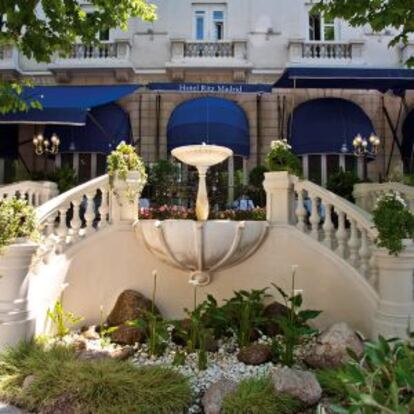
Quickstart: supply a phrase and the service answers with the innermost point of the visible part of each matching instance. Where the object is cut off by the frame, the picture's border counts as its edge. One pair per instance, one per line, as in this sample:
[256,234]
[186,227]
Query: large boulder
[128,335]
[215,394]
[272,312]
[129,306]
[255,354]
[299,384]
[330,348]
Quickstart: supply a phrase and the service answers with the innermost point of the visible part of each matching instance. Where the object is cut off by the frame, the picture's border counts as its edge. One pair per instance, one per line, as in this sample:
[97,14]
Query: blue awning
[323,125]
[347,78]
[211,120]
[66,105]
[106,126]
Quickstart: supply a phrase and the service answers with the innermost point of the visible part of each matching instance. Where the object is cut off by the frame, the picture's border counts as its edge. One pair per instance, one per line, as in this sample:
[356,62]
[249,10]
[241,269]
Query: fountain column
[230,192]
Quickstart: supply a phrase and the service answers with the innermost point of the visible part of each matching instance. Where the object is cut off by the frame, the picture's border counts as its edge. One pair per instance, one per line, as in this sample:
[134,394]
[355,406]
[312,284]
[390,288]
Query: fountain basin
[202,247]
[202,155]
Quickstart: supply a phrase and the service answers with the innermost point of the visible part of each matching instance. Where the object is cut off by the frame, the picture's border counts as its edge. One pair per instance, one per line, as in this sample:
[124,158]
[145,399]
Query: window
[321,29]
[104,35]
[209,22]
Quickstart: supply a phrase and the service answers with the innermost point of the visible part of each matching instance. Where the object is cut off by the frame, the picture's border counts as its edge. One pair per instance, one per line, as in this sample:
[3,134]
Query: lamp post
[43,146]
[364,148]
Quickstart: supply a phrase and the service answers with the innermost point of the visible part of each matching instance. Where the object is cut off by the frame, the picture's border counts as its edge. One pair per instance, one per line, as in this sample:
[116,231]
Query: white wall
[98,269]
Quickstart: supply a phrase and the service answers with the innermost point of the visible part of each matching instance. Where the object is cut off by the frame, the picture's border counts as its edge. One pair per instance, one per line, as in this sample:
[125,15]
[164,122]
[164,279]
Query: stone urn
[16,323]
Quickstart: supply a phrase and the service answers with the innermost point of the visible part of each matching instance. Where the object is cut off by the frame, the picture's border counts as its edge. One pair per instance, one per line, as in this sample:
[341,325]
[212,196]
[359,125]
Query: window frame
[206,12]
[323,25]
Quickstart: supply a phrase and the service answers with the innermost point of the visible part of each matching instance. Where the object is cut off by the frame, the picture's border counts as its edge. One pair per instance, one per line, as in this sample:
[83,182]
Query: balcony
[8,61]
[227,54]
[112,55]
[325,53]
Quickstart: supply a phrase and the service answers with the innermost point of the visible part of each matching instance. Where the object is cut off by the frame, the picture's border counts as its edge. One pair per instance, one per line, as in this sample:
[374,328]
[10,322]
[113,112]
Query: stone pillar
[280,197]
[16,322]
[125,198]
[49,191]
[396,292]
[230,194]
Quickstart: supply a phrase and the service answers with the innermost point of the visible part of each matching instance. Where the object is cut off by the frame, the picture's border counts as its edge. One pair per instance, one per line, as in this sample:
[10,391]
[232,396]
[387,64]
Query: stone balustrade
[301,51]
[35,192]
[366,194]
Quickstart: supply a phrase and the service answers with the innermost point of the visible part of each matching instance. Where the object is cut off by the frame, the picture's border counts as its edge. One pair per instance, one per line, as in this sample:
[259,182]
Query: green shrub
[62,320]
[394,222]
[17,220]
[383,382]
[342,183]
[257,395]
[65,177]
[331,383]
[101,387]
[281,158]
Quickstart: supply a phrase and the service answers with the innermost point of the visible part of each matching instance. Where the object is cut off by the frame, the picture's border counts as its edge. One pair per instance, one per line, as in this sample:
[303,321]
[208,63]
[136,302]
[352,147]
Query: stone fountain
[204,246]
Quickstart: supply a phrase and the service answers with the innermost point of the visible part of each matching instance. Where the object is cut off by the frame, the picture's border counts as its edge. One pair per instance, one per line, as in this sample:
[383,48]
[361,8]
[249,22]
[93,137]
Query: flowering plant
[394,222]
[254,214]
[17,220]
[281,158]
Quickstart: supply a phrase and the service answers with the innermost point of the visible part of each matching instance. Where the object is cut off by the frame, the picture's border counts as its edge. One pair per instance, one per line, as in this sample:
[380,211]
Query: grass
[331,383]
[101,387]
[257,395]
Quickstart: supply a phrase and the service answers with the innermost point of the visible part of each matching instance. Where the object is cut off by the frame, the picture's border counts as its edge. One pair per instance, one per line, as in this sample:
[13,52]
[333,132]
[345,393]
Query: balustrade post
[280,197]
[396,292]
[125,198]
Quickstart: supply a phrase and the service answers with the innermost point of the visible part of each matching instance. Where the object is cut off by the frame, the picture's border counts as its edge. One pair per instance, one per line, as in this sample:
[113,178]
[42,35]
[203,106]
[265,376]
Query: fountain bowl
[202,155]
[202,248]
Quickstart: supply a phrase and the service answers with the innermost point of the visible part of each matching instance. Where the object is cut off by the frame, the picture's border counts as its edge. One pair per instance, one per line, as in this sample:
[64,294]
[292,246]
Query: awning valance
[66,105]
[347,78]
[106,126]
[324,125]
[211,120]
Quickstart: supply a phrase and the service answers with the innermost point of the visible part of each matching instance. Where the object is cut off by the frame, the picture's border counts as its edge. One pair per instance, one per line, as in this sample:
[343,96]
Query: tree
[379,14]
[42,28]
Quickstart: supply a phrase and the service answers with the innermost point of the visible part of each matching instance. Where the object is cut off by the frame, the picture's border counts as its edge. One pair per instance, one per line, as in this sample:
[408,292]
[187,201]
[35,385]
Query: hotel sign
[230,88]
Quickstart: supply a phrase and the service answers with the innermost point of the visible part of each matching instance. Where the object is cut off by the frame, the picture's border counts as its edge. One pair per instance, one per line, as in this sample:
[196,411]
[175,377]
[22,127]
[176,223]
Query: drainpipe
[258,127]
[157,126]
[139,143]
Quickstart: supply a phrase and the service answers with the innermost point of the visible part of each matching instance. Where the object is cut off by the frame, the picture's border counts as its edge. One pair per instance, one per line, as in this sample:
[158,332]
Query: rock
[128,307]
[79,345]
[273,311]
[93,355]
[212,344]
[181,329]
[90,332]
[128,335]
[215,394]
[65,404]
[330,348]
[299,384]
[122,354]
[255,354]
[28,381]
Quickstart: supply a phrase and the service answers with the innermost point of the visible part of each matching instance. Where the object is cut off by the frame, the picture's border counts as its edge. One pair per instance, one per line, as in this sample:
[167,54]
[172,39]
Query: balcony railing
[301,51]
[209,50]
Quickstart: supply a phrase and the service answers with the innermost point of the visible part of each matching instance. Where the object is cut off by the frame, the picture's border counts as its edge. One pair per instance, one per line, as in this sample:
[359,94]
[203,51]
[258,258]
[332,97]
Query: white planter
[16,323]
[202,247]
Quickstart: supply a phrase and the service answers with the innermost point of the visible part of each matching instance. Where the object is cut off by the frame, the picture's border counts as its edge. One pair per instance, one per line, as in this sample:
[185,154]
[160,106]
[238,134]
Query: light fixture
[366,147]
[44,146]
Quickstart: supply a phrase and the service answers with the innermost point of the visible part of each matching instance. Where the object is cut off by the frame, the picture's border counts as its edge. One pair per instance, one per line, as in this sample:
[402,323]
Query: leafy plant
[255,189]
[382,382]
[394,222]
[65,177]
[294,325]
[162,180]
[105,331]
[105,386]
[281,158]
[257,395]
[245,314]
[123,160]
[342,183]
[254,214]
[17,220]
[62,319]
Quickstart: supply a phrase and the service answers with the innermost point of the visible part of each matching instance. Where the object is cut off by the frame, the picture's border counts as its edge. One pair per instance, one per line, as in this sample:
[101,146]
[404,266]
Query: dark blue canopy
[324,125]
[408,139]
[9,139]
[106,126]
[66,105]
[211,120]
[347,78]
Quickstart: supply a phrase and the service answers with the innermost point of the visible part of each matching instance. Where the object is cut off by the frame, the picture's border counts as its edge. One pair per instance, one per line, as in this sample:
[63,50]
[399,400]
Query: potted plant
[127,178]
[18,237]
[281,158]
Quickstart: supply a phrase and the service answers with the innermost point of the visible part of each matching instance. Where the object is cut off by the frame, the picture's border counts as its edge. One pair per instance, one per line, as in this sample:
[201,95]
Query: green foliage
[17,220]
[12,99]
[62,319]
[162,180]
[65,177]
[255,190]
[342,183]
[331,383]
[382,382]
[101,387]
[257,395]
[379,14]
[245,314]
[394,222]
[254,214]
[294,326]
[281,158]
